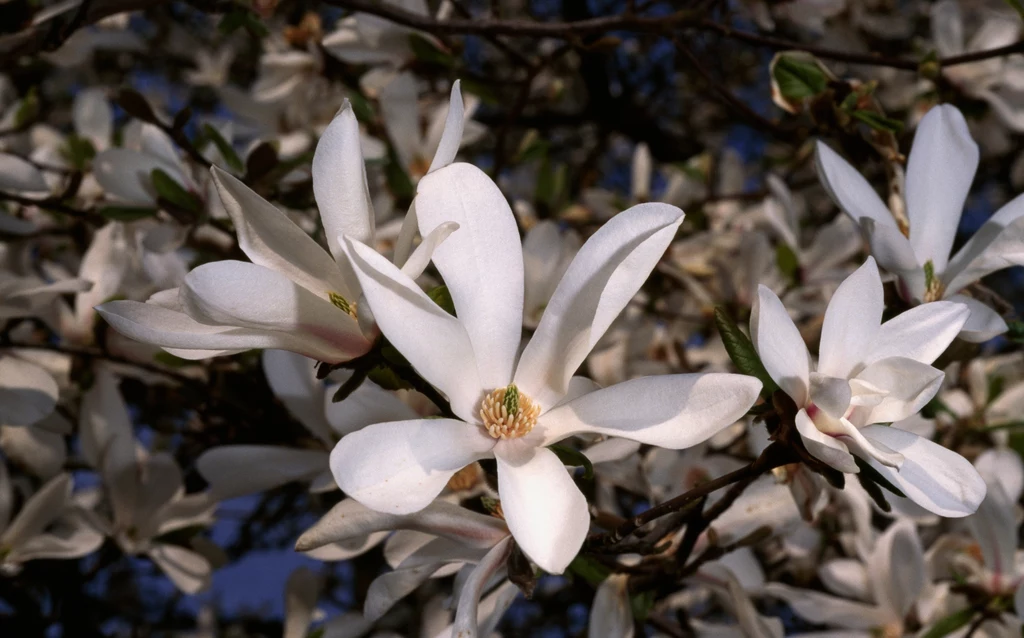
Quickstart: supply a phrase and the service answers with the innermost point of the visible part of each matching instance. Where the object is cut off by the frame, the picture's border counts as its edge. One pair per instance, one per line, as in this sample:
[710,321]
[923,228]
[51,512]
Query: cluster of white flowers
[498,384]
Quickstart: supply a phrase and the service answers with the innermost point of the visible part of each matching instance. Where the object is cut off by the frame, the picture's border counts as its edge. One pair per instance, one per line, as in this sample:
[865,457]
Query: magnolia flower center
[933,288]
[508,414]
[343,304]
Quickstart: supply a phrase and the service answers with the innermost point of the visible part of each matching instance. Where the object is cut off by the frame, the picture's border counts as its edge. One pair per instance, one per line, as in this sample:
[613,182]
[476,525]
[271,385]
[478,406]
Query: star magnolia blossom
[940,169]
[294,295]
[512,410]
[870,373]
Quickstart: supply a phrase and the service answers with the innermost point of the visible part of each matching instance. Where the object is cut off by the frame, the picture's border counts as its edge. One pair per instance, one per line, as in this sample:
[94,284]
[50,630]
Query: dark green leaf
[798,79]
[1017,6]
[78,151]
[950,623]
[878,121]
[28,109]
[240,17]
[867,472]
[225,149]
[589,570]
[641,604]
[126,213]
[175,193]
[169,360]
[398,180]
[787,261]
[742,352]
[360,106]
[135,105]
[575,458]
[386,378]
[442,297]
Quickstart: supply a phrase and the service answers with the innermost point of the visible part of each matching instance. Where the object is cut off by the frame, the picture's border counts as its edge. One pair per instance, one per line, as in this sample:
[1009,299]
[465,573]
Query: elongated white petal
[894,253]
[417,262]
[611,615]
[1003,466]
[189,571]
[937,479]
[27,392]
[671,411]
[910,385]
[159,326]
[68,541]
[434,342]
[994,526]
[481,263]
[779,344]
[921,333]
[940,169]
[848,188]
[237,293]
[229,468]
[273,241]
[41,509]
[368,404]
[605,274]
[451,136]
[473,588]
[388,588]
[350,519]
[339,183]
[19,176]
[399,106]
[400,467]
[105,263]
[983,322]
[828,610]
[41,452]
[852,320]
[847,577]
[127,175]
[823,447]
[947,27]
[292,377]
[92,117]
[998,244]
[831,394]
[545,511]
[300,594]
[897,569]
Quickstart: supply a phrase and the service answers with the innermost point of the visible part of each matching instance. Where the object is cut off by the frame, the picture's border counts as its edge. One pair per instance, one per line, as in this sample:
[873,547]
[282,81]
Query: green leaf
[175,193]
[950,623]
[873,475]
[360,106]
[317,633]
[427,51]
[1016,331]
[169,360]
[398,180]
[386,378]
[239,17]
[641,604]
[225,149]
[1017,6]
[798,79]
[28,109]
[534,148]
[78,151]
[126,213]
[589,570]
[878,121]
[442,297]
[742,352]
[575,458]
[787,261]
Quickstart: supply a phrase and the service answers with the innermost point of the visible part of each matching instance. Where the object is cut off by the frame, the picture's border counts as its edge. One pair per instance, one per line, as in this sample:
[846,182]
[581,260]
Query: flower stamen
[507,413]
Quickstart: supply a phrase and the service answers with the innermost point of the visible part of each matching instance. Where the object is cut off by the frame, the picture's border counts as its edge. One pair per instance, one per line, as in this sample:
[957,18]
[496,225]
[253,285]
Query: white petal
[994,526]
[127,175]
[159,326]
[19,176]
[300,594]
[387,589]
[779,344]
[910,385]
[947,27]
[828,610]
[611,615]
[831,394]
[998,244]
[292,377]
[897,569]
[400,467]
[339,183]
[406,316]
[237,293]
[368,404]
[1002,466]
[848,188]
[103,417]
[894,253]
[481,263]
[921,333]
[270,239]
[642,169]
[400,109]
[940,169]
[39,451]
[545,511]
[937,479]
[671,411]
[350,519]
[38,511]
[105,263]
[606,273]
[983,322]
[451,137]
[229,469]
[65,542]
[27,392]
[92,116]
[417,262]
[189,571]
[473,588]
[823,447]
[852,320]
[846,577]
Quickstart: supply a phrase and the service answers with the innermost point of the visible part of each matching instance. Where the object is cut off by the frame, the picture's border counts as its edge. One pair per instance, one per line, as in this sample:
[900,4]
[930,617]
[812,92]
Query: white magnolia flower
[885,586]
[28,393]
[512,410]
[46,526]
[125,172]
[940,169]
[294,295]
[362,38]
[870,373]
[547,252]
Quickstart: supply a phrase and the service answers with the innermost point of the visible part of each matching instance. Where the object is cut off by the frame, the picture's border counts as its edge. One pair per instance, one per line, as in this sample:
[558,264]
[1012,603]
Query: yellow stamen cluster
[343,304]
[465,478]
[508,414]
